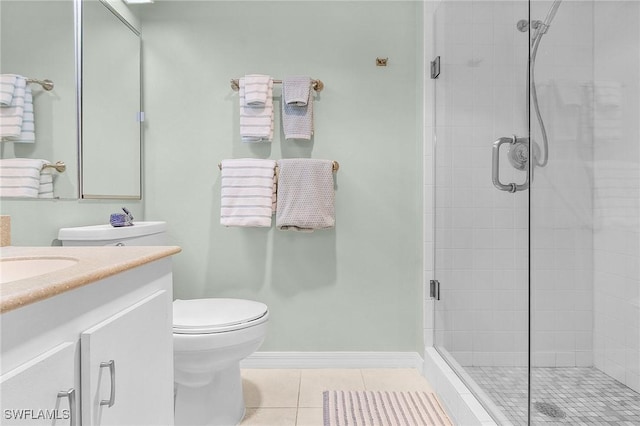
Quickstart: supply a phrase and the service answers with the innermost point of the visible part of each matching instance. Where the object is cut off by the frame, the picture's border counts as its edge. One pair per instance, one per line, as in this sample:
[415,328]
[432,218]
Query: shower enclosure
[537,206]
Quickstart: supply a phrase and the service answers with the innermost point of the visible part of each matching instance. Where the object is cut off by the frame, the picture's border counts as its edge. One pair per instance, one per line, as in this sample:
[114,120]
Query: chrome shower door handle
[495,167]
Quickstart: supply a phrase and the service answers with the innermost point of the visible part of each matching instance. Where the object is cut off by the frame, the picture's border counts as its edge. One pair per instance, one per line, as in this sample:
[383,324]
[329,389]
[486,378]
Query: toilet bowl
[210,336]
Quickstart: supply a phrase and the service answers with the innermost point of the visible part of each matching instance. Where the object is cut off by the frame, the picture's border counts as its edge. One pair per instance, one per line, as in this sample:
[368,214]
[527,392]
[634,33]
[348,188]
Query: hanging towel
[256,89]
[20,177]
[297,108]
[11,116]
[28,130]
[7,86]
[247,192]
[46,183]
[256,122]
[296,90]
[306,198]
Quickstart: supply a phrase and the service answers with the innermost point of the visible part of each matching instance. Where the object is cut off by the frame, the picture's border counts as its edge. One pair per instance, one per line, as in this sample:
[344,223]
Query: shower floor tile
[559,395]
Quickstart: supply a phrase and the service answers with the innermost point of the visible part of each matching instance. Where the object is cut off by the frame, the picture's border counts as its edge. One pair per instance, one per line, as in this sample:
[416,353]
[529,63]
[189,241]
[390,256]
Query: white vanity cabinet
[109,341]
[42,390]
[121,359]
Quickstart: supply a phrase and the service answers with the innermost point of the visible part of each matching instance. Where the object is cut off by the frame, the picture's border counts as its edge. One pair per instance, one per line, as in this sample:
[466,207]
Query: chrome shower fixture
[538,29]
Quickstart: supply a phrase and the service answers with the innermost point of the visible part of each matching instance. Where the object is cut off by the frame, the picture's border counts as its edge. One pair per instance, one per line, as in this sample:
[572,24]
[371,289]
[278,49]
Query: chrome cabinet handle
[71,394]
[495,167]
[112,372]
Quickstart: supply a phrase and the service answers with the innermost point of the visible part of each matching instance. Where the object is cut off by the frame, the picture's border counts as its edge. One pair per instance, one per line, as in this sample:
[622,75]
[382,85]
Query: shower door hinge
[434,289]
[435,67]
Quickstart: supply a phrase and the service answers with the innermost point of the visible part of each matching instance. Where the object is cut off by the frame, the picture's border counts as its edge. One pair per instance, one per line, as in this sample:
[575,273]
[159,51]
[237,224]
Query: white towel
[306,197]
[247,192]
[7,86]
[297,108]
[20,177]
[46,183]
[256,122]
[11,116]
[28,130]
[256,89]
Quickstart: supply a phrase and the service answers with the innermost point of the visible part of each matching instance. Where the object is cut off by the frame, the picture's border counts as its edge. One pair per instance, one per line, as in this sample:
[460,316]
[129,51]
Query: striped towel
[46,184]
[247,192]
[256,122]
[306,198]
[11,116]
[20,177]
[256,89]
[7,86]
[297,108]
[28,130]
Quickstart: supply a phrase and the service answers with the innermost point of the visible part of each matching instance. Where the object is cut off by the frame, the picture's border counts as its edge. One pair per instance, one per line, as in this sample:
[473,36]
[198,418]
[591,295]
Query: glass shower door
[482,201]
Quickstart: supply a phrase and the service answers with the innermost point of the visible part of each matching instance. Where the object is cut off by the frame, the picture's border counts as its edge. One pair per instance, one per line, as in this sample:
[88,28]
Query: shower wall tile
[616,192]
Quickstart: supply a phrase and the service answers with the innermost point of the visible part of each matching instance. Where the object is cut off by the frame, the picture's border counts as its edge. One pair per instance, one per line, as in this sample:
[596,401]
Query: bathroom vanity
[90,343]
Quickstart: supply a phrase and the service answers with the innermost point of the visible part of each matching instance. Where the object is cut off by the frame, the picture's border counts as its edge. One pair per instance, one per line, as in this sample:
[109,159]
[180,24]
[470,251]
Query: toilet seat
[208,316]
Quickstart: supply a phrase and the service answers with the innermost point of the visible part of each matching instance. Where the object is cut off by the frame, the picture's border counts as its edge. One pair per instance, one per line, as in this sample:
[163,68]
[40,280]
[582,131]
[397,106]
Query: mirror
[37,42]
[111,103]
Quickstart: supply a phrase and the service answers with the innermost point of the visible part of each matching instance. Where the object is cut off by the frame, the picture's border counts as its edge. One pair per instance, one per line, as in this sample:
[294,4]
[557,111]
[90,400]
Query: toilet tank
[139,234]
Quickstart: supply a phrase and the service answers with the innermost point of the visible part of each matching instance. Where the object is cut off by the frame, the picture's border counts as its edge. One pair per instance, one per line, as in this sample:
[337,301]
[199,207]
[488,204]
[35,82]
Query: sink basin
[19,268]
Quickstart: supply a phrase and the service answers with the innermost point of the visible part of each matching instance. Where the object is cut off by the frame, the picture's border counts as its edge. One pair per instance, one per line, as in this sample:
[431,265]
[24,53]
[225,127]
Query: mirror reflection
[111,127]
[36,125]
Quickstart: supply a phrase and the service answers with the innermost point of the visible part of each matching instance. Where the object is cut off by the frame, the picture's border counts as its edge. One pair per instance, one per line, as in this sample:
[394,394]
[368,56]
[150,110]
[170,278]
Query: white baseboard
[333,360]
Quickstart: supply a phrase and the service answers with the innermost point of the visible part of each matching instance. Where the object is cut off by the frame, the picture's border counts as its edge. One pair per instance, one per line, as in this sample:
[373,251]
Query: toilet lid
[214,315]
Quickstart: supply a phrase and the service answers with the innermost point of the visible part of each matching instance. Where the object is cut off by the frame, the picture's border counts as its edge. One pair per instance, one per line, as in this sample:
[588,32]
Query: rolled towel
[256,89]
[11,116]
[306,197]
[297,108]
[20,177]
[256,122]
[247,192]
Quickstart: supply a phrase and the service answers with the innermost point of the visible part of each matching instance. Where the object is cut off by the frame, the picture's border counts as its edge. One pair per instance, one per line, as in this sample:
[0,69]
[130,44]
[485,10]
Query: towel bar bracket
[59,166]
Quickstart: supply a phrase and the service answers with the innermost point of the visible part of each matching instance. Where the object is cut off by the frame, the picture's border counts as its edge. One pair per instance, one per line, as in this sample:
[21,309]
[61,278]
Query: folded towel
[11,116]
[256,89]
[20,177]
[7,86]
[297,108]
[296,90]
[256,122]
[306,198]
[247,192]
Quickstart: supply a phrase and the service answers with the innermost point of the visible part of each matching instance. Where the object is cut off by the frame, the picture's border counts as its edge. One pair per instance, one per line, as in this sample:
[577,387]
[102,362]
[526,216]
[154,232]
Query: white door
[41,391]
[127,366]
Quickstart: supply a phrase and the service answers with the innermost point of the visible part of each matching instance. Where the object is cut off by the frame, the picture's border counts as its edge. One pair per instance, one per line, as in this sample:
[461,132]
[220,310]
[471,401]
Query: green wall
[357,287]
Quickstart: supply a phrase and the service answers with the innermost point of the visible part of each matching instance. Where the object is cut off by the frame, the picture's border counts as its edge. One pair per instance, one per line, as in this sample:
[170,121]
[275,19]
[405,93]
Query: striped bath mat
[382,408]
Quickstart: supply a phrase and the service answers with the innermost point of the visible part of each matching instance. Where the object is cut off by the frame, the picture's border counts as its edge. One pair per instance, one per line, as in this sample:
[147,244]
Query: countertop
[94,263]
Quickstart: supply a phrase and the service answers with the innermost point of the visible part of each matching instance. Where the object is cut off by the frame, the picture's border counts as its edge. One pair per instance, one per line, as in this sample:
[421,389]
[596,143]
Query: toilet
[210,336]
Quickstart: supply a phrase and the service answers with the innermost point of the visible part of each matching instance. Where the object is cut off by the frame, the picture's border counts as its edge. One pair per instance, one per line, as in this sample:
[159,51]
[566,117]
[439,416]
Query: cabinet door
[41,391]
[127,366]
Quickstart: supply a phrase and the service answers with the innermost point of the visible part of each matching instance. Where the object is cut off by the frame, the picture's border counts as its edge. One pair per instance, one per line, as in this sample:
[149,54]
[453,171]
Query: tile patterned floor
[576,396]
[285,397]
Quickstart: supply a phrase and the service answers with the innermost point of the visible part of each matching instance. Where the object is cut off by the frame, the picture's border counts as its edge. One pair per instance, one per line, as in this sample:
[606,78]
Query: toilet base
[218,403]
